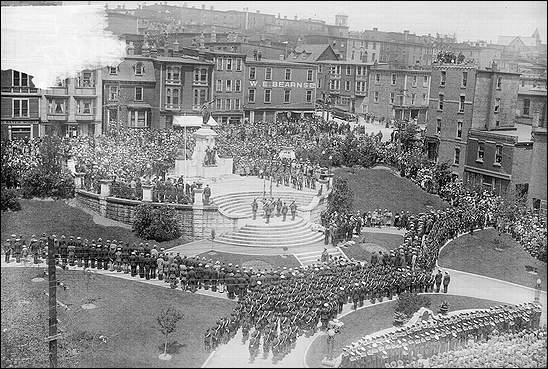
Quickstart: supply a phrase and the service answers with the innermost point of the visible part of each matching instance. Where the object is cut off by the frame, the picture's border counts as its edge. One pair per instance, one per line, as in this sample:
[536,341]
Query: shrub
[121,190]
[9,200]
[39,182]
[409,303]
[156,222]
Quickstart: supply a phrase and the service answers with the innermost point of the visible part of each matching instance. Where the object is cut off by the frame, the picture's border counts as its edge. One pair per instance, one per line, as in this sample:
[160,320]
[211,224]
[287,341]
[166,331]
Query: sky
[469,20]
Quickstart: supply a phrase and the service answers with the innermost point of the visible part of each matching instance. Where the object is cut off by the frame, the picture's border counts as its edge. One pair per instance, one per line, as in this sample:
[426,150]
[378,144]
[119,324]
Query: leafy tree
[408,303]
[167,323]
[341,197]
[156,222]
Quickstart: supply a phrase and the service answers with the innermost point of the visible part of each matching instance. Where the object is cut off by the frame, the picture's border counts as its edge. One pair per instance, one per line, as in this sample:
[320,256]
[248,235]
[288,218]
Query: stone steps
[313,257]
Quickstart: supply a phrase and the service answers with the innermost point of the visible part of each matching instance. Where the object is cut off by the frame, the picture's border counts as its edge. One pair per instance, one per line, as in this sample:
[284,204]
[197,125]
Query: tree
[167,323]
[341,197]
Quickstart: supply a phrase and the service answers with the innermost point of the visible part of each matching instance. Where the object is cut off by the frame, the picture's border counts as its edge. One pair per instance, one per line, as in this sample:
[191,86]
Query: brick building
[129,93]
[538,181]
[400,94]
[463,97]
[531,100]
[20,115]
[345,84]
[228,91]
[278,87]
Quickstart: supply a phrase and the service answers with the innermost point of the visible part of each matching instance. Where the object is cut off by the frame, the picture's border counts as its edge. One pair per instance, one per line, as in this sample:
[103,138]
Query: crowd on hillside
[522,349]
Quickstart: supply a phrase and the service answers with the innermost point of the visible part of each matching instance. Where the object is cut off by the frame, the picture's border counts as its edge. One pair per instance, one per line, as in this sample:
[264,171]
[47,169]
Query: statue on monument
[207,159]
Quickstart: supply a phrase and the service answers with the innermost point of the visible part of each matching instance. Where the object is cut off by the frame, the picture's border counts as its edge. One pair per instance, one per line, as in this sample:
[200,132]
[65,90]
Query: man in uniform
[446,280]
[293,209]
[86,251]
[278,207]
[133,263]
[63,250]
[8,248]
[284,211]
[438,278]
[93,254]
[79,251]
[254,207]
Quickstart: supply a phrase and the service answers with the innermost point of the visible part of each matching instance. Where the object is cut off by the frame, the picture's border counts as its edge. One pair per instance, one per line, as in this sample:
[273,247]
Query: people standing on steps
[446,280]
[293,208]
[284,211]
[438,279]
[254,207]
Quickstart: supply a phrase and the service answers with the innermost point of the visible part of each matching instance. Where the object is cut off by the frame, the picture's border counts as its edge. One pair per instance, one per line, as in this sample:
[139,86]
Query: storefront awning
[188,120]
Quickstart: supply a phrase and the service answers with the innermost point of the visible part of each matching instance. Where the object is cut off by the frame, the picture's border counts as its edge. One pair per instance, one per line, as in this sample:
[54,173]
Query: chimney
[281,56]
[258,11]
[176,46]
[211,7]
[153,52]
[130,49]
[296,17]
[203,6]
[375,29]
[259,55]
[146,49]
[405,35]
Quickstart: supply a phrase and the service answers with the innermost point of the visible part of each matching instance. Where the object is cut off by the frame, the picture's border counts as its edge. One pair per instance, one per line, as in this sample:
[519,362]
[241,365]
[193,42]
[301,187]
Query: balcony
[85,117]
[200,83]
[56,91]
[57,116]
[173,81]
[361,93]
[85,91]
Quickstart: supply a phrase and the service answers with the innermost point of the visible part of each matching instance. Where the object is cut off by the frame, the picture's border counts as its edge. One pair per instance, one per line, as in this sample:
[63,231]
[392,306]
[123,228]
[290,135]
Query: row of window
[464,81]
[441,100]
[481,154]
[412,96]
[335,84]
[267,99]
[20,107]
[363,56]
[228,104]
[336,69]
[229,63]
[365,44]
[459,128]
[394,78]
[229,85]
[287,74]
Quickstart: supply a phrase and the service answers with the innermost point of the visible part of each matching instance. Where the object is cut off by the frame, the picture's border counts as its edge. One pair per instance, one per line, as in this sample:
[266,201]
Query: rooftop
[277,61]
[522,132]
[534,91]
[182,60]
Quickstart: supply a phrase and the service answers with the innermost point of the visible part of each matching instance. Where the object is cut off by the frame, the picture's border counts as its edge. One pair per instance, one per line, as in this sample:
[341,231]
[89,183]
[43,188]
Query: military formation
[439,334]
[272,207]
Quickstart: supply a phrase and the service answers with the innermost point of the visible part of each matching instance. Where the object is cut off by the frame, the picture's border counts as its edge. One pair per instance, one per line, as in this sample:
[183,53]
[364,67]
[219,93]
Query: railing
[57,116]
[56,91]
[20,90]
[87,117]
[85,91]
[172,106]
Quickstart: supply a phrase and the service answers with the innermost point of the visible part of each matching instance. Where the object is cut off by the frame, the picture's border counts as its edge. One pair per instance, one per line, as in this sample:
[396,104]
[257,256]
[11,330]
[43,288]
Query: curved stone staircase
[238,205]
[256,233]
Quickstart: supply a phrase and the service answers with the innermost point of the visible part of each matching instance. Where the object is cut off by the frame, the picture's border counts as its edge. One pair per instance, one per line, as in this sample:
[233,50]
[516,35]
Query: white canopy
[188,120]
[212,122]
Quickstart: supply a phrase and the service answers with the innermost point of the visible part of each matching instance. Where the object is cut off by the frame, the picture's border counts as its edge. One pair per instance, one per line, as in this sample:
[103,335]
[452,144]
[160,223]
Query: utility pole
[52,282]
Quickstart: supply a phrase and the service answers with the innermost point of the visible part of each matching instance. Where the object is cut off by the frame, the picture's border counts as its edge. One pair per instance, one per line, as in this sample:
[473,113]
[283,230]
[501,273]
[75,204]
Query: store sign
[19,122]
[284,84]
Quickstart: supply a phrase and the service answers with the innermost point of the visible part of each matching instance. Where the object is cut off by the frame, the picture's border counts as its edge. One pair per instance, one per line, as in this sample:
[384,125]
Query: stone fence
[197,221]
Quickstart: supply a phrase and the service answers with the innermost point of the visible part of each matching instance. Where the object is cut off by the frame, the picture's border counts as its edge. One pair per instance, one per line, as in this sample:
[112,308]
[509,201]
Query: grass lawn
[125,314]
[255,261]
[378,188]
[477,253]
[379,317]
[56,217]
[369,242]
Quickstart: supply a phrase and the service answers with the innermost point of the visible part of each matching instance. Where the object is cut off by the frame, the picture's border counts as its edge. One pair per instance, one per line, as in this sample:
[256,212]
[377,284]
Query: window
[268,74]
[459,129]
[498,155]
[138,94]
[413,99]
[251,97]
[393,79]
[347,85]
[334,84]
[319,83]
[113,70]
[425,81]
[287,74]
[138,68]
[497,123]
[219,63]
[438,126]
[85,106]
[200,96]
[376,96]
[267,96]
[138,118]
[172,74]
[348,70]
[373,57]
[456,159]
[309,75]
[200,75]
[440,103]
[20,108]
[461,104]
[526,106]
[287,96]
[377,77]
[20,79]
[219,104]
[374,45]
[238,65]
[172,96]
[320,69]
[237,104]
[219,86]
[481,152]
[424,99]
[415,80]
[361,55]
[360,86]
[228,85]
[308,96]
[443,78]
[57,106]
[112,116]
[229,64]
[335,69]
[237,85]
[464,79]
[112,93]
[497,104]
[252,73]
[360,71]
[228,106]
[352,57]
[499,83]
[85,80]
